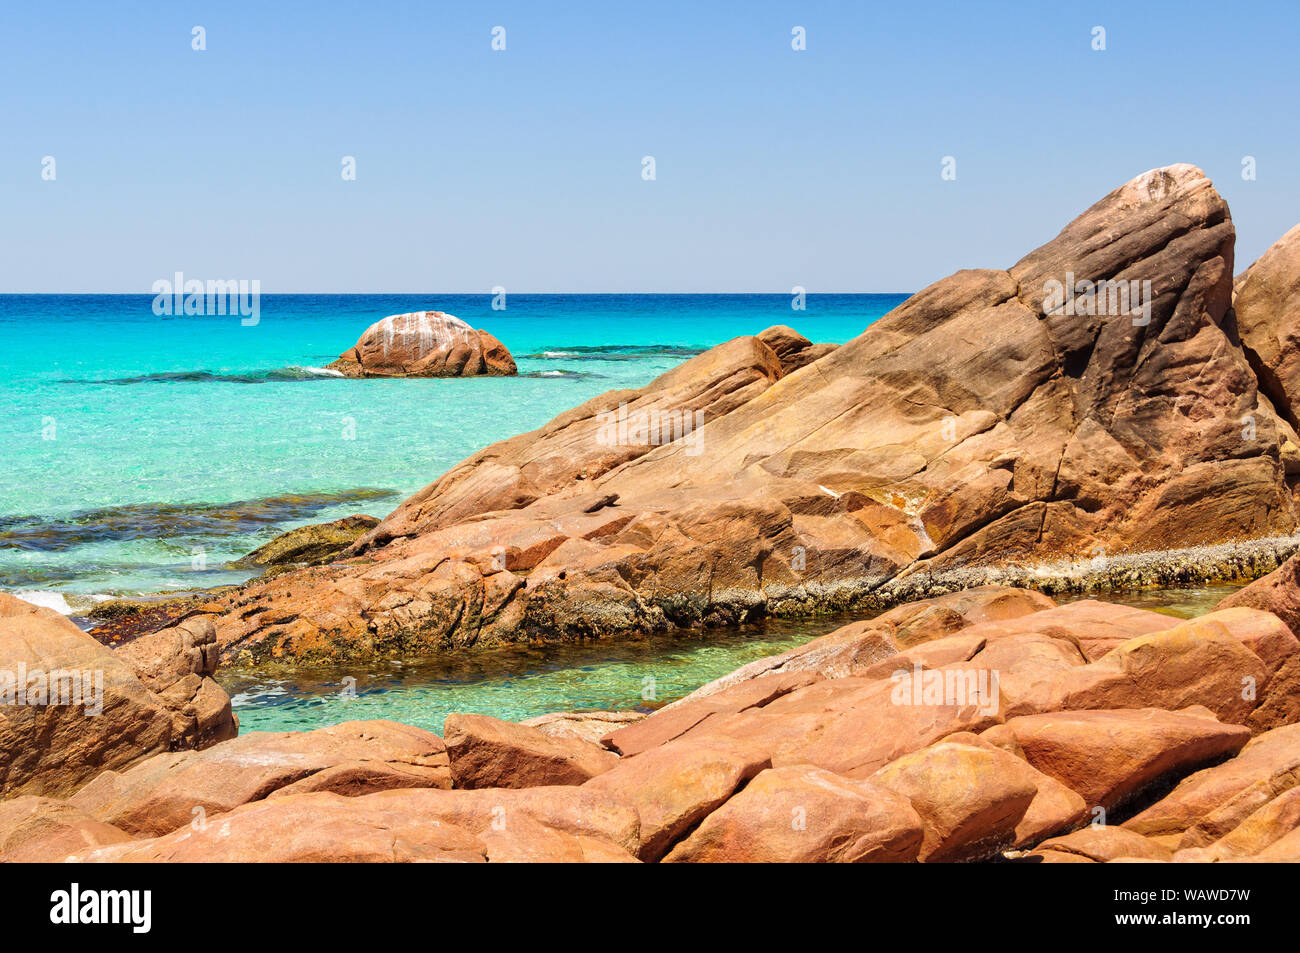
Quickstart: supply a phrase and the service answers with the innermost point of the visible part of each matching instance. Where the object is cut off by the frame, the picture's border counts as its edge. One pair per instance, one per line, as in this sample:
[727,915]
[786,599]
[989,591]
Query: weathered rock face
[425,344]
[806,815]
[1266,300]
[583,725]
[73,708]
[565,457]
[1109,757]
[41,829]
[995,418]
[566,824]
[792,349]
[490,753]
[1209,805]
[353,758]
[178,664]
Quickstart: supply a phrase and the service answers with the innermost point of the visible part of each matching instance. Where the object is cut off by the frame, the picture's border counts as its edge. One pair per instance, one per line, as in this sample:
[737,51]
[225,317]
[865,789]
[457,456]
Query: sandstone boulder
[72,707]
[1266,300]
[46,830]
[583,725]
[855,648]
[969,797]
[173,790]
[1275,820]
[424,344]
[1210,804]
[178,664]
[792,349]
[490,753]
[1111,757]
[307,828]
[1105,843]
[802,814]
[676,786]
[539,824]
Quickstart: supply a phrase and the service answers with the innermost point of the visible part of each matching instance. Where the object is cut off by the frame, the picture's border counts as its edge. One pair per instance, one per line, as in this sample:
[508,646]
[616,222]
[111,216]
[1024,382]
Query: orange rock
[970,797]
[1211,803]
[1109,757]
[1094,627]
[424,344]
[981,426]
[308,828]
[1199,662]
[490,753]
[1267,306]
[1055,807]
[583,725]
[676,719]
[52,749]
[802,814]
[1102,844]
[675,786]
[170,791]
[1270,823]
[866,647]
[178,664]
[45,830]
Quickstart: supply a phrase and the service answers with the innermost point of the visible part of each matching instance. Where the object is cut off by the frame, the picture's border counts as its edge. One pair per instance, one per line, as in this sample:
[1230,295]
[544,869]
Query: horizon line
[485,294]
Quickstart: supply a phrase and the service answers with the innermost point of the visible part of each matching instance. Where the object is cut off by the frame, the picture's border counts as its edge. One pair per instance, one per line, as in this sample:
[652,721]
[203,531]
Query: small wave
[616,352]
[293,372]
[46,599]
[562,374]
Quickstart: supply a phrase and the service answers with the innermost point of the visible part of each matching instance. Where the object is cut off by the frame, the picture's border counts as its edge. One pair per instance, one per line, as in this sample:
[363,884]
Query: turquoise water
[513,684]
[143,453]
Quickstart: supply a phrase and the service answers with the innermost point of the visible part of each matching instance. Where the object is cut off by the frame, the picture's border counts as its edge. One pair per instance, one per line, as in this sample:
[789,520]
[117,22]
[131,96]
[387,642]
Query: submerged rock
[310,545]
[424,344]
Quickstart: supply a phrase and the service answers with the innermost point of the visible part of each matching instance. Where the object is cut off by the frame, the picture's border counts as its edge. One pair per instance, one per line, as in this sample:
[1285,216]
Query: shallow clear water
[515,684]
[143,453]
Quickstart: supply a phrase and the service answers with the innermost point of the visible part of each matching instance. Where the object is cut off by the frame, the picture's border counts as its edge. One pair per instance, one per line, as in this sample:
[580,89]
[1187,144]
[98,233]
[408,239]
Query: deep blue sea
[143,453]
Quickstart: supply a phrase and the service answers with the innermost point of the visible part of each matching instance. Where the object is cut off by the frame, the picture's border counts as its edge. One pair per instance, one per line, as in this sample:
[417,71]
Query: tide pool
[523,682]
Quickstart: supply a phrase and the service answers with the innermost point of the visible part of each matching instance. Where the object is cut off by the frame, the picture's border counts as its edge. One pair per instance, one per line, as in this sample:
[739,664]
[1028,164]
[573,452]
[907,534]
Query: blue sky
[522,168]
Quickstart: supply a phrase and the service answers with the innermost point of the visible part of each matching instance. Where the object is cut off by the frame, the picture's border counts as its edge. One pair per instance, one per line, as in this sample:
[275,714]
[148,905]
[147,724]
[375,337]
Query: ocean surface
[144,453]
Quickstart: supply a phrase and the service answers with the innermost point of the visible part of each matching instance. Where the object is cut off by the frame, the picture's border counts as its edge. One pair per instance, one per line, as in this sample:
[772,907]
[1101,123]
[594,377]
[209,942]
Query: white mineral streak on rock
[423,331]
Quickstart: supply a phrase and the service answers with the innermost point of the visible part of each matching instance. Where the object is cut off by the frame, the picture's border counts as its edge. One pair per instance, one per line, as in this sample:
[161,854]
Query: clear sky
[523,168]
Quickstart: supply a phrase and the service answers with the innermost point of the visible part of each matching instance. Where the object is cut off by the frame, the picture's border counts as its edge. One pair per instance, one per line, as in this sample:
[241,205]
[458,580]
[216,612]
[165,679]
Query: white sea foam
[46,599]
[322,371]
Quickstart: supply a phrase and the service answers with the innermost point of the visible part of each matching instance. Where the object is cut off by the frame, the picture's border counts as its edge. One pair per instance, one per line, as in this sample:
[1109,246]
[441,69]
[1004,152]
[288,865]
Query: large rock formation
[1090,401]
[424,344]
[1266,300]
[71,708]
